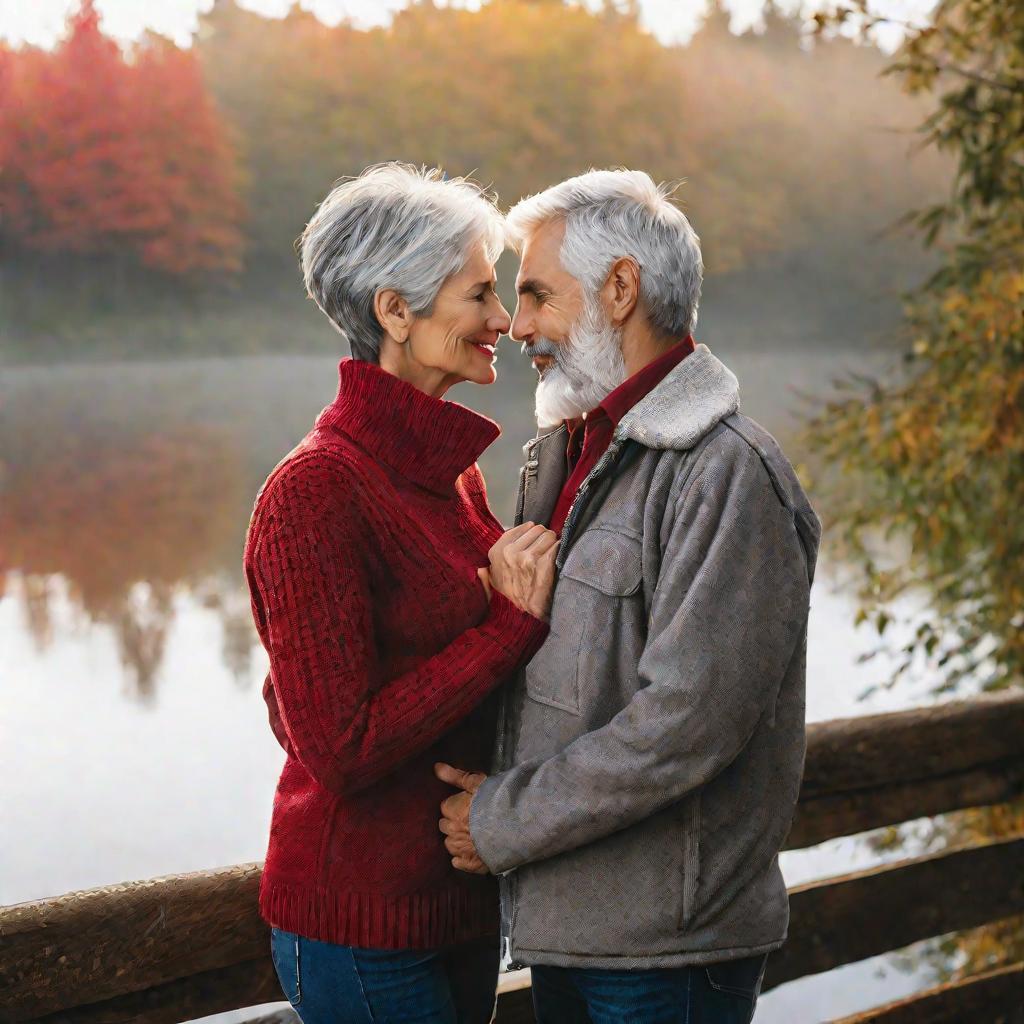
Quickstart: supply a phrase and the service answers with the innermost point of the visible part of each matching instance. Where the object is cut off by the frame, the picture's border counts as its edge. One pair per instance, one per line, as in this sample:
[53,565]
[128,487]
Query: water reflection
[119,521]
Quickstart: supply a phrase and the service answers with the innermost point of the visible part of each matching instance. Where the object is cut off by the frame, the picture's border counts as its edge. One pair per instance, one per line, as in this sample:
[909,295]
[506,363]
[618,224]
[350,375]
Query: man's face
[566,333]
[550,298]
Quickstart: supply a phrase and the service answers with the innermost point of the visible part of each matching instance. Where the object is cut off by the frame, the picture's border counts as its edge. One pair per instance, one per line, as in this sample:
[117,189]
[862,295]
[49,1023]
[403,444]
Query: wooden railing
[176,948]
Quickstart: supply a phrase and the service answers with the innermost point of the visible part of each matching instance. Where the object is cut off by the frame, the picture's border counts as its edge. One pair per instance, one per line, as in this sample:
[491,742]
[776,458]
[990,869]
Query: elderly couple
[584,734]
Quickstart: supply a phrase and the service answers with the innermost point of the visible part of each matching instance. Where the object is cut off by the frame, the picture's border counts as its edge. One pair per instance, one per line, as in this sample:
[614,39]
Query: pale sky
[40,21]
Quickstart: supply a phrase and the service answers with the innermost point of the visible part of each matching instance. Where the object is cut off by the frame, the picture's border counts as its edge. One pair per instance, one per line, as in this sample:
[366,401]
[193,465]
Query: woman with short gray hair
[385,636]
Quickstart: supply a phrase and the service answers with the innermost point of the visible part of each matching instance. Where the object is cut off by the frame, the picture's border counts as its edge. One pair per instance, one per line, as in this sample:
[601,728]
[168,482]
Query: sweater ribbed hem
[423,920]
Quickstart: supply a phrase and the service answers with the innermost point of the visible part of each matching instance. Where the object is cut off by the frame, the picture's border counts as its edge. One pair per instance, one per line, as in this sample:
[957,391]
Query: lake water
[134,738]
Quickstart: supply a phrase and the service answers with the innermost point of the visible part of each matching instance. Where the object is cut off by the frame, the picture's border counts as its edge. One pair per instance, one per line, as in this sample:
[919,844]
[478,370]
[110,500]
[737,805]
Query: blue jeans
[331,984]
[722,993]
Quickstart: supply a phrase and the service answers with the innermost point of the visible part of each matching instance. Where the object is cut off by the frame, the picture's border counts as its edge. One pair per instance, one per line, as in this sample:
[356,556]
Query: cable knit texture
[361,560]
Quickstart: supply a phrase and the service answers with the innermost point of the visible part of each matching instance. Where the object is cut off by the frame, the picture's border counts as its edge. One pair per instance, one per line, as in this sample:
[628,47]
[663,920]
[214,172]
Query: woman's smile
[487,348]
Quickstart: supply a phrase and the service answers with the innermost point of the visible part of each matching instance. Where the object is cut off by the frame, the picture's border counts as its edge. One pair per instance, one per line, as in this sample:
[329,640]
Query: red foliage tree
[194,162]
[101,154]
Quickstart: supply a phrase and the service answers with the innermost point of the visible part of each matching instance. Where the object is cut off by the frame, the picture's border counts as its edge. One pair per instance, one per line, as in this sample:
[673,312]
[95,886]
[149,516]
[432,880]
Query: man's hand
[523,567]
[454,821]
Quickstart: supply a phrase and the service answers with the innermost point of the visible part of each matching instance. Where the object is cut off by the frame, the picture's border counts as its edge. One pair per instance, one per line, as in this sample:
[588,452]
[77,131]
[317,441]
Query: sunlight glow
[40,22]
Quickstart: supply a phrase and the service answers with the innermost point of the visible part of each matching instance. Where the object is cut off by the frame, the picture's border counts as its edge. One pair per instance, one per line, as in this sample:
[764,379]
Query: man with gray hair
[650,755]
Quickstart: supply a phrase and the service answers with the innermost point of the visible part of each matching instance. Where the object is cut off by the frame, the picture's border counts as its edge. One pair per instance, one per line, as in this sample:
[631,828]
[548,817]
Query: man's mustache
[541,347]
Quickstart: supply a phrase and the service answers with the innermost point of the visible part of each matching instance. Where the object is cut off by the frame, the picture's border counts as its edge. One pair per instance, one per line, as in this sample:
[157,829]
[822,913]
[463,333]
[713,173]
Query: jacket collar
[428,440]
[691,398]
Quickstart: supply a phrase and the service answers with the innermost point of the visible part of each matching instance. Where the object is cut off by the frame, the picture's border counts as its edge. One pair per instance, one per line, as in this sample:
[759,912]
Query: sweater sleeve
[312,597]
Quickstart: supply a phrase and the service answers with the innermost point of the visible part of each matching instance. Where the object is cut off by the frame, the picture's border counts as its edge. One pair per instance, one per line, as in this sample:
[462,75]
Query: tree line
[145,178]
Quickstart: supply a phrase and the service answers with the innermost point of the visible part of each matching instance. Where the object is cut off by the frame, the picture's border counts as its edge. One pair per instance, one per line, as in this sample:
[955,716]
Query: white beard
[587,367]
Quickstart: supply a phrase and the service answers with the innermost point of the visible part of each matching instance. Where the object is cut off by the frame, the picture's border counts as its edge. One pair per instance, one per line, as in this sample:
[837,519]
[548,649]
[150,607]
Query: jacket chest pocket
[586,640]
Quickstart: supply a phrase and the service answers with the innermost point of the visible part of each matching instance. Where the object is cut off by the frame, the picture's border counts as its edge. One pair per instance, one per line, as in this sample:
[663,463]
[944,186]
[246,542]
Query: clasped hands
[522,567]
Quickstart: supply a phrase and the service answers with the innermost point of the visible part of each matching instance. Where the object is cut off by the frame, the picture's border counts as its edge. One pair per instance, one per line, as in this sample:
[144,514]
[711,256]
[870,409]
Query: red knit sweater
[361,559]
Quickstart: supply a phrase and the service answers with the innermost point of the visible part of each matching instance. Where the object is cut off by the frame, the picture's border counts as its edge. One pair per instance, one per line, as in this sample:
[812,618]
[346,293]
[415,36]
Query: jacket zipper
[513,963]
[509,880]
[529,471]
[508,916]
[531,464]
[508,890]
[520,502]
[522,499]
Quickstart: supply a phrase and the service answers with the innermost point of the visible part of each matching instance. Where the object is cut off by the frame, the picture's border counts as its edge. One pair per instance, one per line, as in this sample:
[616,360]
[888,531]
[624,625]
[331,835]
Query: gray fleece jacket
[650,755]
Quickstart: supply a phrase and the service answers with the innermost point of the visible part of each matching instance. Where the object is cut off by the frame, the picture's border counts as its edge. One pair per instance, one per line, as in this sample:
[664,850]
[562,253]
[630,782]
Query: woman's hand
[485,579]
[523,567]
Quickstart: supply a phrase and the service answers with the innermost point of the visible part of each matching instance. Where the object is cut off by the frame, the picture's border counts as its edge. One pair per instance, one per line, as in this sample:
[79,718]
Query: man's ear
[621,291]
[393,314]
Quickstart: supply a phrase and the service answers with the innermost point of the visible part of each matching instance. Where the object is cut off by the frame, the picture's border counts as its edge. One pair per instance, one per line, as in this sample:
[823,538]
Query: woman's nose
[500,322]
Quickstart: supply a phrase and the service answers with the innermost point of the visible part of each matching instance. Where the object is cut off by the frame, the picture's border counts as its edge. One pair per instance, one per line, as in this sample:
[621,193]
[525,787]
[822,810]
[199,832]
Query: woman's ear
[393,314]
[622,290]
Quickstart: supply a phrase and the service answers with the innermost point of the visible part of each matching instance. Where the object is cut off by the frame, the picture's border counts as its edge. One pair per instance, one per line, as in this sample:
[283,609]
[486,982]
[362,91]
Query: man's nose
[521,329]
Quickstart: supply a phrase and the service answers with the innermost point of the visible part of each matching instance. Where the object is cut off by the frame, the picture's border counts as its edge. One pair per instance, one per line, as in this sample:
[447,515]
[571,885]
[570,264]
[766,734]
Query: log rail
[173,949]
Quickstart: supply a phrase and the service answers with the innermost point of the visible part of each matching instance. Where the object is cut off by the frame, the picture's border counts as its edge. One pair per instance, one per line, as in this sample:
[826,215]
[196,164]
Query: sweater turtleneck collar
[428,440]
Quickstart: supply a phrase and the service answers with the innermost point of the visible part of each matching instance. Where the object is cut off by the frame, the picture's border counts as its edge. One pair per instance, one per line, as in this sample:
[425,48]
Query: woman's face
[457,341]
